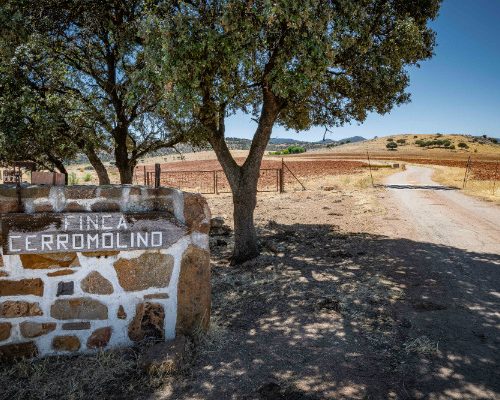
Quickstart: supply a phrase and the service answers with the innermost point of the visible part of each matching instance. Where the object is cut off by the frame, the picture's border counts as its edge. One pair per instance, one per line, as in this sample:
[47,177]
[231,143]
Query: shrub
[87,177]
[72,179]
[414,137]
[401,141]
[463,145]
[447,143]
[391,145]
[452,147]
[390,140]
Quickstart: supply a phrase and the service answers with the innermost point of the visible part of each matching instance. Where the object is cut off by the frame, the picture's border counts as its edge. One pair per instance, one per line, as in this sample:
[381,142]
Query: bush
[414,137]
[289,150]
[452,147]
[463,145]
[447,143]
[401,141]
[72,179]
[390,140]
[391,145]
[87,177]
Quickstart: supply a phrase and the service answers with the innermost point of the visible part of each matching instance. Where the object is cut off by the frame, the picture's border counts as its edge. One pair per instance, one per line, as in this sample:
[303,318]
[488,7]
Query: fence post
[370,167]
[157,175]
[495,178]
[467,167]
[215,181]
[145,173]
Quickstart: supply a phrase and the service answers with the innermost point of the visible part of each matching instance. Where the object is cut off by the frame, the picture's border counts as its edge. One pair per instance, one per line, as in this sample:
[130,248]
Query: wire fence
[482,175]
[215,181]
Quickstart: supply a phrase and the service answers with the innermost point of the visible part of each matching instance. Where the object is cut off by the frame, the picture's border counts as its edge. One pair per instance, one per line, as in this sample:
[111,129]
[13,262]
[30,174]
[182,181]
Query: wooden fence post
[157,175]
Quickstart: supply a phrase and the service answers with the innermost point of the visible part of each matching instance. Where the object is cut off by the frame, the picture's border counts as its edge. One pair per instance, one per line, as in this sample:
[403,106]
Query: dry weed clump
[421,345]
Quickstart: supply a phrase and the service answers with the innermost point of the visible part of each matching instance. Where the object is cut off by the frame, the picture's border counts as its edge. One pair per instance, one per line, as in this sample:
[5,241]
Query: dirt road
[427,211]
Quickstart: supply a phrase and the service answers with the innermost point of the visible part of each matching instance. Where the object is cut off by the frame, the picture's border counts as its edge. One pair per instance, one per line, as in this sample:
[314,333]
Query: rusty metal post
[215,181]
[370,167]
[157,175]
[495,178]
[145,173]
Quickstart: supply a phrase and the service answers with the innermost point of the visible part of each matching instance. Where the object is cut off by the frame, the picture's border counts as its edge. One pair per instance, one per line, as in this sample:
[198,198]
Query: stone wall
[82,301]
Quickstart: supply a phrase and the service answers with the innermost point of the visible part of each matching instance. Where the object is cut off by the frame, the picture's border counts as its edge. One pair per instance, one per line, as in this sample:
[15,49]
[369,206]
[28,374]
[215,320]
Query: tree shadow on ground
[322,314]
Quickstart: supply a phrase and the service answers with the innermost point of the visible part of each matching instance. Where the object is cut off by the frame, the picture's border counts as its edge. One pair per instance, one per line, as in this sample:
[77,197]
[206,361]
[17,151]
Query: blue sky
[457,91]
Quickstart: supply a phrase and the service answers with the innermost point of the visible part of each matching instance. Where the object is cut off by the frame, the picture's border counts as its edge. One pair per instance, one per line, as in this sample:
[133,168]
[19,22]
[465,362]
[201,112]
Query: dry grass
[421,345]
[452,176]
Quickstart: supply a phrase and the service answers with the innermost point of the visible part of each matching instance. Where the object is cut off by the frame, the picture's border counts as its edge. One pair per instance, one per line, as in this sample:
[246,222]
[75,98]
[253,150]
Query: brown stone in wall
[194,291]
[61,272]
[73,206]
[196,213]
[79,192]
[47,261]
[22,287]
[66,343]
[105,206]
[4,273]
[121,314]
[148,322]
[95,283]
[5,328]
[14,309]
[156,296]
[15,351]
[100,253]
[78,308]
[76,326]
[43,207]
[111,192]
[35,329]
[151,269]
[99,338]
[9,206]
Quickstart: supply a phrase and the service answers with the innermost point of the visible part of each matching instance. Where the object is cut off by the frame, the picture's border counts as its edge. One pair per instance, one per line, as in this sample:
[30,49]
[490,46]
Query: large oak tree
[90,55]
[293,63]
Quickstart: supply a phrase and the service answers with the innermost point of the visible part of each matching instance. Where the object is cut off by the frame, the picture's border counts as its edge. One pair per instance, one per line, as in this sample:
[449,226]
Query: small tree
[401,141]
[294,63]
[392,145]
[390,140]
[463,145]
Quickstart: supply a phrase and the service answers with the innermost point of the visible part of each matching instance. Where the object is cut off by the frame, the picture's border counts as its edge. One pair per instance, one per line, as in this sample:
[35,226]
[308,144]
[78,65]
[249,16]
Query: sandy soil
[361,292]
[390,292]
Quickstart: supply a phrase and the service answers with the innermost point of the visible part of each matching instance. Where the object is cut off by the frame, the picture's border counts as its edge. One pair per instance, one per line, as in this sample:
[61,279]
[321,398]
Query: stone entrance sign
[55,233]
[84,267]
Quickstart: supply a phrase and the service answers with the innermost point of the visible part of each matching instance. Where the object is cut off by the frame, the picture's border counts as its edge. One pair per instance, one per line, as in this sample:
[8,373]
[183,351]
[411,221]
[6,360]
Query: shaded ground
[352,316]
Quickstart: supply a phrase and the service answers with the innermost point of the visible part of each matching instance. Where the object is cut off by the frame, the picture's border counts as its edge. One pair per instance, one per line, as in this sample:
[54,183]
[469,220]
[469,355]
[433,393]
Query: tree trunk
[100,169]
[123,163]
[244,201]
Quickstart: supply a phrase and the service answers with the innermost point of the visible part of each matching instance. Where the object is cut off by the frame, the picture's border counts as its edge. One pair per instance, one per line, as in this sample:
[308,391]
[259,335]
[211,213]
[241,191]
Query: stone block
[61,272]
[49,261]
[99,254]
[151,269]
[194,291]
[15,309]
[105,206]
[196,213]
[80,192]
[76,326]
[95,283]
[148,322]
[99,338]
[22,287]
[66,343]
[35,329]
[65,288]
[5,328]
[16,351]
[79,308]
[121,314]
